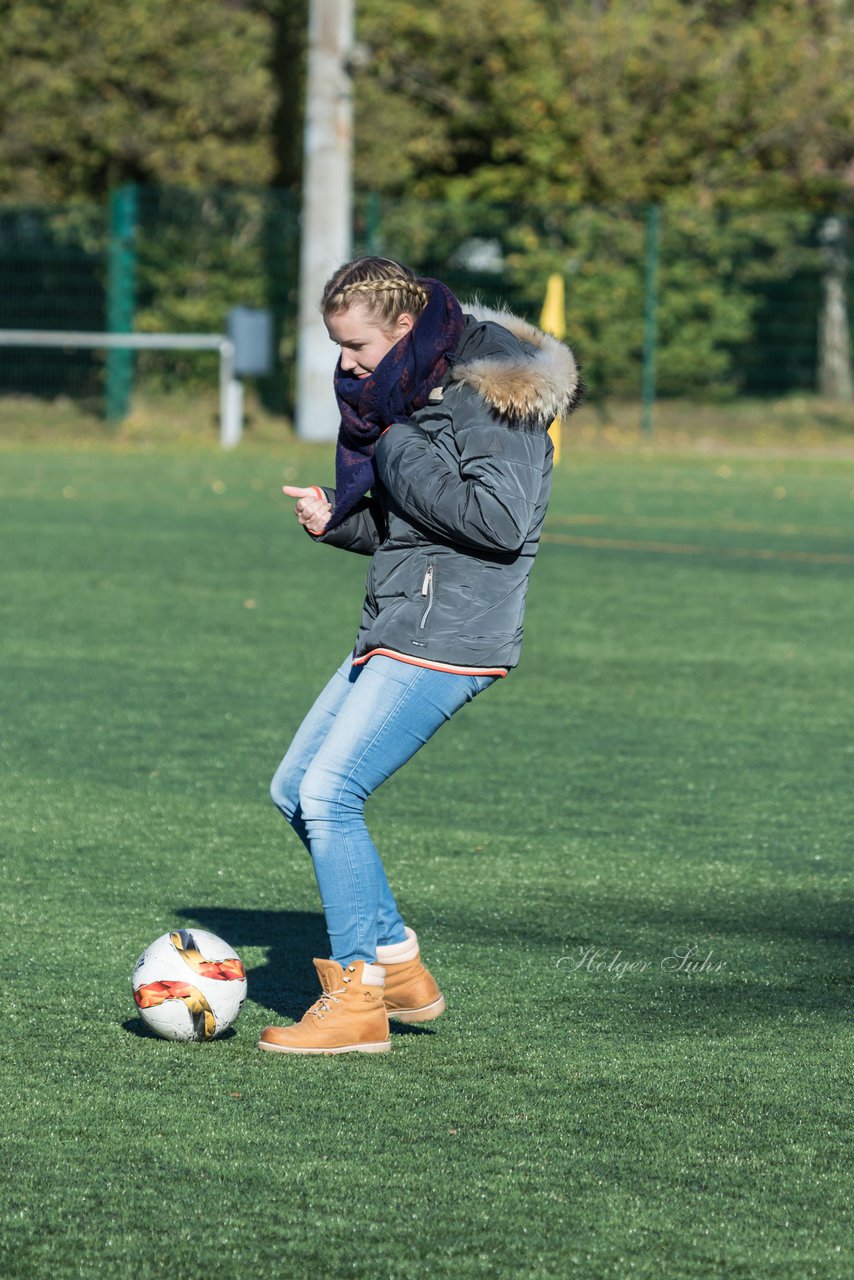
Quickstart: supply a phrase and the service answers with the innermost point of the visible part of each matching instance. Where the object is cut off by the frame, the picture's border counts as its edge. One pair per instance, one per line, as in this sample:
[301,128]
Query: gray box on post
[251,331]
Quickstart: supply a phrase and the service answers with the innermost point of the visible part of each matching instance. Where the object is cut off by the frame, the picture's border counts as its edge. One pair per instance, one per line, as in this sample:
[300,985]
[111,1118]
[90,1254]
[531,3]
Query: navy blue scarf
[400,384]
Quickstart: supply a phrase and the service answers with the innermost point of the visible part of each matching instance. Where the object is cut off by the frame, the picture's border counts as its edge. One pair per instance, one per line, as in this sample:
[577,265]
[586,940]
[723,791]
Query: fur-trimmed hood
[526,375]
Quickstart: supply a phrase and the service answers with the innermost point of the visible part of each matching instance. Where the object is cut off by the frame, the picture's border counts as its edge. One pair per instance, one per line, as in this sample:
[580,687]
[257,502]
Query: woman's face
[362,340]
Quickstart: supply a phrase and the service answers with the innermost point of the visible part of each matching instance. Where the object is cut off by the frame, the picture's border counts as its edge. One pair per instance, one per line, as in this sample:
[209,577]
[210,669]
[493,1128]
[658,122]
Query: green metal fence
[660,302]
[152,260]
[52,276]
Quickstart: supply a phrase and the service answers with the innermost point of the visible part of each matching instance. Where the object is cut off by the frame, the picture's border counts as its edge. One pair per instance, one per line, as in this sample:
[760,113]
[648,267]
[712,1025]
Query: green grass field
[667,774]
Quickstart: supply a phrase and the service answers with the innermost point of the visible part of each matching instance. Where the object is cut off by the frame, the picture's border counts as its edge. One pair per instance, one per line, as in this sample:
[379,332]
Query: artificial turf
[665,781]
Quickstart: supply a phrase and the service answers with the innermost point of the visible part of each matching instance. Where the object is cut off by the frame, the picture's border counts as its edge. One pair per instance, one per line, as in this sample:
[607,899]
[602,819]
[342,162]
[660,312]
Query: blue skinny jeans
[367,722]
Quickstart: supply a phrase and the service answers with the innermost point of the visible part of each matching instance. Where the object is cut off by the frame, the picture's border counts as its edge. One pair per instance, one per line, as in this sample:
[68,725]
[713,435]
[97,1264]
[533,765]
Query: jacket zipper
[427,590]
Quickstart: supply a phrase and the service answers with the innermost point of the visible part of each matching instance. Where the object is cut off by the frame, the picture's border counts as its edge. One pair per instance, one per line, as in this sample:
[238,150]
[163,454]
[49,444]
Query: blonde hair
[385,288]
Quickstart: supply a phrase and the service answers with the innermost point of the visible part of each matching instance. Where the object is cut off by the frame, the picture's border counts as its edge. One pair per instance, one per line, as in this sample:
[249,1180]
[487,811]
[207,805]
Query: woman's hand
[313,508]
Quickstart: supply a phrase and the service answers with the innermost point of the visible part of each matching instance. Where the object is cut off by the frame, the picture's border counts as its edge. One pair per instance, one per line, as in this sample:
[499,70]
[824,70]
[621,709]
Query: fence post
[650,319]
[121,281]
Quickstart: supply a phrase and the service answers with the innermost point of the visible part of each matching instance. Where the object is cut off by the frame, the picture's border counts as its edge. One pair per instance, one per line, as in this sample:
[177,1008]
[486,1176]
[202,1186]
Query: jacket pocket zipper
[427,590]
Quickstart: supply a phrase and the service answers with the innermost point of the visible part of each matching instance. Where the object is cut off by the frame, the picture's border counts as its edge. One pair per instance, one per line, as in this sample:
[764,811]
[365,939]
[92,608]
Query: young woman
[443,472]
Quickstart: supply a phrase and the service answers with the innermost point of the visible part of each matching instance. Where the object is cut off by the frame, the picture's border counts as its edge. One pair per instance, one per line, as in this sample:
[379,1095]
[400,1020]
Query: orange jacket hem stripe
[433,666]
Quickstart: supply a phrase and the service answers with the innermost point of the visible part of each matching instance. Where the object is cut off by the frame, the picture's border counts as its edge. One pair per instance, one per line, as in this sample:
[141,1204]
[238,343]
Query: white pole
[326,209]
[230,398]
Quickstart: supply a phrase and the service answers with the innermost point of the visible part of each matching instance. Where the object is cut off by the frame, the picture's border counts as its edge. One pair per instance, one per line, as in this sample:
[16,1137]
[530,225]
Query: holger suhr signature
[682,959]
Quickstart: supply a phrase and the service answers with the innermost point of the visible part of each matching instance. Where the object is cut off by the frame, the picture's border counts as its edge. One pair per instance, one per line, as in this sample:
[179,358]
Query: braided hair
[386,289]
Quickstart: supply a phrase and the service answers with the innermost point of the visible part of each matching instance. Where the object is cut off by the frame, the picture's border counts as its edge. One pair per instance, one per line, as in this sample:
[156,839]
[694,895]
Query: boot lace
[327,1000]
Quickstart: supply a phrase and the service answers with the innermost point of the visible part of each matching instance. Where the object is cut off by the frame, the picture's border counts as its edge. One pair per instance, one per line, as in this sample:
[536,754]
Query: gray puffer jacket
[454,524]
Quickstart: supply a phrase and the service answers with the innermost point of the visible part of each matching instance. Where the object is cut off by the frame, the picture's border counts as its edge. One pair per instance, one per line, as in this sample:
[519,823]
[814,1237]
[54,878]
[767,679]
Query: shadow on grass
[783,958]
[286,982]
[820,920]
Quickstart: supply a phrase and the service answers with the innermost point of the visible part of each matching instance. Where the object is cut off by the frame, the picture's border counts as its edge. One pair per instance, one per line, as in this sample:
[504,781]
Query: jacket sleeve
[361,531]
[488,501]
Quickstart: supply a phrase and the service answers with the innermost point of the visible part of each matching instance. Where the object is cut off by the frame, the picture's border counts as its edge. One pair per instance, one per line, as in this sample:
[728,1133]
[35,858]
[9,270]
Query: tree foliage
[288,63]
[665,100]
[594,101]
[94,93]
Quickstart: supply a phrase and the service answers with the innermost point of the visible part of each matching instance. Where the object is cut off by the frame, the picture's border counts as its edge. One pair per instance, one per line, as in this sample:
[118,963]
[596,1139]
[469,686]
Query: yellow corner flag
[553,321]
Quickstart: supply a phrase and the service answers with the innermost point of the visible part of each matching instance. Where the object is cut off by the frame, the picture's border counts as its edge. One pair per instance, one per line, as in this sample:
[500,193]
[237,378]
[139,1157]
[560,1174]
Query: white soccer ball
[189,985]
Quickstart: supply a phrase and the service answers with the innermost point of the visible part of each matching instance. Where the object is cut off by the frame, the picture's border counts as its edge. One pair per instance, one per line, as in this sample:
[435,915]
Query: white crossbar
[230,387]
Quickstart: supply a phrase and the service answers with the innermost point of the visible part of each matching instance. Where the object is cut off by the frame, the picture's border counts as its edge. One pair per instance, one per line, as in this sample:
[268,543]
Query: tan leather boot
[411,993]
[349,1017]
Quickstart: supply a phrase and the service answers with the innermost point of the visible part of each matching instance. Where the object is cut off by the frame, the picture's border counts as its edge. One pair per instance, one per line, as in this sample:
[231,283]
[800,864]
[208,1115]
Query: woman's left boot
[349,1017]
[411,993]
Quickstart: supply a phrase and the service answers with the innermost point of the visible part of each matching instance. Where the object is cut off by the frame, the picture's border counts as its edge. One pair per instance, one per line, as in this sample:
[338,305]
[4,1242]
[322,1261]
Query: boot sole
[425,1014]
[379,1046]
